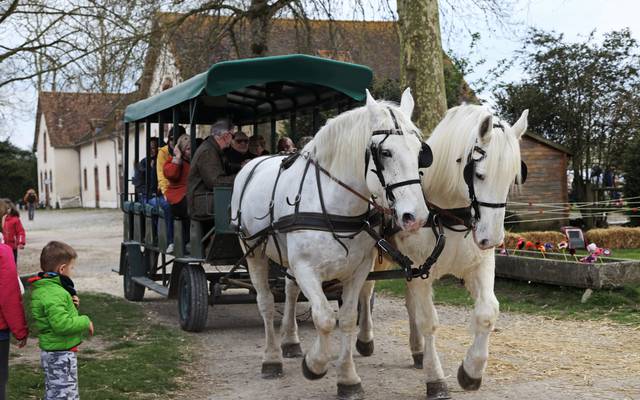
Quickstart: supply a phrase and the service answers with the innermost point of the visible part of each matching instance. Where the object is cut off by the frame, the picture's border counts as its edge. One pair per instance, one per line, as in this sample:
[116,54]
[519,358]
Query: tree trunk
[259,19]
[421,60]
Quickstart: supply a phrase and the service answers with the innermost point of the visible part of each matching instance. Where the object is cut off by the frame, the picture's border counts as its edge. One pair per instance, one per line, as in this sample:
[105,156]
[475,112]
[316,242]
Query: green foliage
[632,176]
[583,95]
[18,171]
[140,359]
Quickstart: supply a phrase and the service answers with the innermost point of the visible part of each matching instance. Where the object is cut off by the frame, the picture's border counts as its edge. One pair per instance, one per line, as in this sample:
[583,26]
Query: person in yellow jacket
[163,183]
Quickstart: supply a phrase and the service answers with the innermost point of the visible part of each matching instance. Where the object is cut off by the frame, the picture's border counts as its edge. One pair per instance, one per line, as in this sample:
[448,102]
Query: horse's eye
[385,153]
[480,176]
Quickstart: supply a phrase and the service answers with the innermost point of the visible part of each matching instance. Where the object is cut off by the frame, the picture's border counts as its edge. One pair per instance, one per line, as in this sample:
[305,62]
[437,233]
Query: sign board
[575,237]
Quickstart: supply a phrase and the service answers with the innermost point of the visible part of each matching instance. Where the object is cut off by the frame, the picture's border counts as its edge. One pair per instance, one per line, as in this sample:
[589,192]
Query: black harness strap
[249,177]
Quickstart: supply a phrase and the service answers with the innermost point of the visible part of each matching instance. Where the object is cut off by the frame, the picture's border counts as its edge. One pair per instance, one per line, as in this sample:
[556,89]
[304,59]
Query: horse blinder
[425,157]
[523,173]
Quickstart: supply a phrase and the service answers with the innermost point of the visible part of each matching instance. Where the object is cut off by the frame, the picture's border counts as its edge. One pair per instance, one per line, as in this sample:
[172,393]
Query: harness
[341,227]
[469,173]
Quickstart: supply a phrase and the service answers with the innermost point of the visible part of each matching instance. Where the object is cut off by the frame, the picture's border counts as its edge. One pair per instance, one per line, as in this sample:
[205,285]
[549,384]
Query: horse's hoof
[309,374]
[417,360]
[350,392]
[271,370]
[364,348]
[437,390]
[291,350]
[467,382]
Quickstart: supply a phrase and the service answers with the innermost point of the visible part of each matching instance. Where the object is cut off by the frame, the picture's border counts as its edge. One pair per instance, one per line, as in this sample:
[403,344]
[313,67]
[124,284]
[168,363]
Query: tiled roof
[194,44]
[70,116]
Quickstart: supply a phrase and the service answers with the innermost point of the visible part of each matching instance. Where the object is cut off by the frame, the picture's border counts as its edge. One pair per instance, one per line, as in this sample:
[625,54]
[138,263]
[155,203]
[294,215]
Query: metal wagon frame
[250,92]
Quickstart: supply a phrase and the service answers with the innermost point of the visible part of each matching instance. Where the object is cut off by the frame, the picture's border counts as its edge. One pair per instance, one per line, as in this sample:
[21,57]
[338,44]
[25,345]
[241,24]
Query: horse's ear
[486,129]
[406,102]
[520,127]
[372,104]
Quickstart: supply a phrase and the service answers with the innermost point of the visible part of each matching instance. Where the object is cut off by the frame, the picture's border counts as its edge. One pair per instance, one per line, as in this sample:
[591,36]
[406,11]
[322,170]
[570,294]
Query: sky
[574,18]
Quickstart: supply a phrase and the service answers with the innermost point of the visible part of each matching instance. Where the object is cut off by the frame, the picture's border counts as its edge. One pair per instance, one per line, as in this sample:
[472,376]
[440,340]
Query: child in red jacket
[12,230]
[12,318]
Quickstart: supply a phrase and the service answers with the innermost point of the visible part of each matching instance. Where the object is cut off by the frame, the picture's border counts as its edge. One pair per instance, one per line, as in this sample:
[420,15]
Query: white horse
[317,256]
[465,143]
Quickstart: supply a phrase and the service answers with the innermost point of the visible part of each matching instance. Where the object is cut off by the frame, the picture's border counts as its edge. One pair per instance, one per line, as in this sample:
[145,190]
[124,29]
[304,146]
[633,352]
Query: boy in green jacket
[59,326]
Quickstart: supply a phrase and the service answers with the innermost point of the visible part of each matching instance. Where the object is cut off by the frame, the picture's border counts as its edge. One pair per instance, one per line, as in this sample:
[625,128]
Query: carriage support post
[136,151]
[316,120]
[192,126]
[125,178]
[174,120]
[273,135]
[147,161]
[160,131]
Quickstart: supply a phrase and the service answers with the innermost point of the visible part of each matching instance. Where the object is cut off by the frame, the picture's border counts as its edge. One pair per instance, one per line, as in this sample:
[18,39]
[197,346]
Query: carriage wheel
[132,290]
[193,299]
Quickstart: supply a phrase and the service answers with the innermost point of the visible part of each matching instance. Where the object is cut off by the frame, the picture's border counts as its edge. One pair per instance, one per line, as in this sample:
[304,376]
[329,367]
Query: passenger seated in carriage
[285,145]
[140,173]
[237,155]
[303,142]
[161,200]
[256,146]
[176,170]
[207,170]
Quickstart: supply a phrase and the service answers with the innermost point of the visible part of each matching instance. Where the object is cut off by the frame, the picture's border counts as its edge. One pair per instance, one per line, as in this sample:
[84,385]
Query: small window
[41,182]
[44,145]
[108,178]
[84,174]
[95,149]
[50,180]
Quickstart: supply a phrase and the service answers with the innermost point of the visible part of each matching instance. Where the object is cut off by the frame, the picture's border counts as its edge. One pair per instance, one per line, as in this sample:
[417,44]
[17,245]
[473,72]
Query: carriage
[255,93]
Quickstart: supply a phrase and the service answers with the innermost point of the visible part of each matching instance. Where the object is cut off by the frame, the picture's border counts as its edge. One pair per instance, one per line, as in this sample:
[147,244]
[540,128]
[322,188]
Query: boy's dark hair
[55,254]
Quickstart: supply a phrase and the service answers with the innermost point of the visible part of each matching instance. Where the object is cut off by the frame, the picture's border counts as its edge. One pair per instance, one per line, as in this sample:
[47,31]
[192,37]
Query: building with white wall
[65,122]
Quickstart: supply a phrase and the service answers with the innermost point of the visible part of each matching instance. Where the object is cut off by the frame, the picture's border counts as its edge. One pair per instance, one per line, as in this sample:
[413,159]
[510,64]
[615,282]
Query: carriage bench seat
[138,222]
[151,211]
[127,206]
[138,208]
[127,223]
[151,231]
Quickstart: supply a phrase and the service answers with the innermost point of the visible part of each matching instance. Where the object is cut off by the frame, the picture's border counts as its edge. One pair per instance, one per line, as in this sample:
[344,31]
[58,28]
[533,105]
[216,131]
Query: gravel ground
[531,357]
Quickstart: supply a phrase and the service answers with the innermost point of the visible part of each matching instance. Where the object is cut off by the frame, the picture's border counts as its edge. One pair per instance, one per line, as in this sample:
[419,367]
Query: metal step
[151,285]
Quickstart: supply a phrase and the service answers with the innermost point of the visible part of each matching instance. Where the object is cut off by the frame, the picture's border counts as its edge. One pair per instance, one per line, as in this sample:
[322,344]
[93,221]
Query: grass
[139,359]
[621,305]
[626,253]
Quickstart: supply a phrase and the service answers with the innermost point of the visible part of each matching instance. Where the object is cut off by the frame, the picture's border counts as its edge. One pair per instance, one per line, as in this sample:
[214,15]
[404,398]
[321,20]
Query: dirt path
[531,357]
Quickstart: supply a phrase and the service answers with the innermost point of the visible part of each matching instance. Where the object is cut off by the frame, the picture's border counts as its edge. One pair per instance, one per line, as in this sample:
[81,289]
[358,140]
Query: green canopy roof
[257,89]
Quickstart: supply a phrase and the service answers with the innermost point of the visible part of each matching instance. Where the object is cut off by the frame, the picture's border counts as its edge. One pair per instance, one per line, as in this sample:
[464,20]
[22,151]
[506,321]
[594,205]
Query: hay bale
[615,238]
[511,238]
[612,238]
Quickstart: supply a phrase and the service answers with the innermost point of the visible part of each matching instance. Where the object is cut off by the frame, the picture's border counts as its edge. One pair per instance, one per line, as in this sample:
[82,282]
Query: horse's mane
[454,138]
[340,145]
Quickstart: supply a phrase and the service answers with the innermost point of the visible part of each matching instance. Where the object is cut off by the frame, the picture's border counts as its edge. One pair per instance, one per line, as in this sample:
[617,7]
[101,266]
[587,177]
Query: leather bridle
[470,172]
[374,152]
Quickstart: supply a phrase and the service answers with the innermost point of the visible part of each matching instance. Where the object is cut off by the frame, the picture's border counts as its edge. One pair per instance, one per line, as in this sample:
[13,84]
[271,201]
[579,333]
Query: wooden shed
[545,195]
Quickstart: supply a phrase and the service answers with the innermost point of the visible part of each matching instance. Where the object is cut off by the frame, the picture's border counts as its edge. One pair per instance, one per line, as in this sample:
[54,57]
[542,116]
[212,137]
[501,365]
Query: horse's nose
[484,243]
[408,218]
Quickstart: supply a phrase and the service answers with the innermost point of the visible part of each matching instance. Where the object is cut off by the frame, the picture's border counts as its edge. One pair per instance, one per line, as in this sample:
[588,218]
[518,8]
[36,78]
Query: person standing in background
[12,229]
[30,201]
